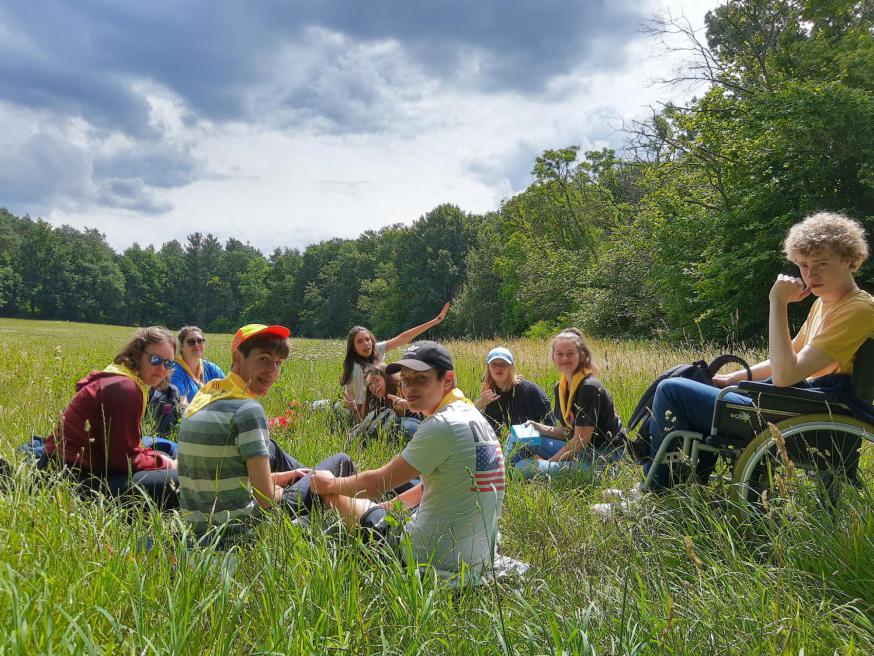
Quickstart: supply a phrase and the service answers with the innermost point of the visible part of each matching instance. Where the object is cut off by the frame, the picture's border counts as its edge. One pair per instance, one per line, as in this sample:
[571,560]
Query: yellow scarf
[198,380]
[130,373]
[230,387]
[454,395]
[565,400]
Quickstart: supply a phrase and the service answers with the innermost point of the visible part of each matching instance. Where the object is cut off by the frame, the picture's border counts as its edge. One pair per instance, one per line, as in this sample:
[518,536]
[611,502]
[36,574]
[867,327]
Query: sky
[283,123]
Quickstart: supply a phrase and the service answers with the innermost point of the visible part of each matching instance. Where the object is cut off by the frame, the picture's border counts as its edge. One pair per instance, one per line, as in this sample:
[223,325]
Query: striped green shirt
[214,445]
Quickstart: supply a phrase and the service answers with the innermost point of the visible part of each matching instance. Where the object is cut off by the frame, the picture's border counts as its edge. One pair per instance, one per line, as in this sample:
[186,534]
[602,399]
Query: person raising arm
[363,350]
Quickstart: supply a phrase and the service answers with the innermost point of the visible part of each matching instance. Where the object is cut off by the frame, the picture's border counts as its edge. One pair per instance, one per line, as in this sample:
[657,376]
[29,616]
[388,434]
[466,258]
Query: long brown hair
[132,351]
[575,335]
[352,358]
[370,401]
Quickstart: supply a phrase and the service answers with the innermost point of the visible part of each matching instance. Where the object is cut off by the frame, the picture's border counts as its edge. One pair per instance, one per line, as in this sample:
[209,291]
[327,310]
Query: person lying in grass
[828,248]
[588,432]
[459,459]
[99,438]
[362,350]
[229,468]
[507,399]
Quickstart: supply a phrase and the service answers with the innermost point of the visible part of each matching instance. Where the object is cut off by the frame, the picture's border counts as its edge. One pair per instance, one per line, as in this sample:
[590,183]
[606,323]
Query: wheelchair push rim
[748,476]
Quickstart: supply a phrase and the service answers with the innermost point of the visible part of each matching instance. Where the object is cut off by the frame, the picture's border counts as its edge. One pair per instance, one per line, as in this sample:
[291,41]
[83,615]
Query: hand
[487,396]
[442,314]
[788,289]
[349,401]
[540,428]
[321,481]
[286,478]
[169,462]
[398,403]
[724,380]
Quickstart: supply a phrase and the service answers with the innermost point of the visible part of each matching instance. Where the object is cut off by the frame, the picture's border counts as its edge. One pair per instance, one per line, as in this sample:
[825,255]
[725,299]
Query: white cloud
[337,139]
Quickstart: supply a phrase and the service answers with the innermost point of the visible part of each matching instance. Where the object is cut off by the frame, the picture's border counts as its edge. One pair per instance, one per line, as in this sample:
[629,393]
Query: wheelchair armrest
[755,387]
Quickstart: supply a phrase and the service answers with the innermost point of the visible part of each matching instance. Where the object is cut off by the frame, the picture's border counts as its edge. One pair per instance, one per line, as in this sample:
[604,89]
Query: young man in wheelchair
[828,249]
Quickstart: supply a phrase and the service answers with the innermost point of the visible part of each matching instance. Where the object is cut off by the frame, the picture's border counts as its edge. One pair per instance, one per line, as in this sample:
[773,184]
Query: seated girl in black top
[589,431]
[507,399]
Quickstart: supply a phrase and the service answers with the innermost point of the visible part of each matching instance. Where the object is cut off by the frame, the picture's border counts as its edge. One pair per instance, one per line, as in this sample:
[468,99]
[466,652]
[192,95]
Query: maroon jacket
[100,428]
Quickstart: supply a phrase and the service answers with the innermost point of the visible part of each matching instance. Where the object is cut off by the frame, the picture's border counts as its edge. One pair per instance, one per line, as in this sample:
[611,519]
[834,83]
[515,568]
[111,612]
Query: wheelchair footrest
[726,442]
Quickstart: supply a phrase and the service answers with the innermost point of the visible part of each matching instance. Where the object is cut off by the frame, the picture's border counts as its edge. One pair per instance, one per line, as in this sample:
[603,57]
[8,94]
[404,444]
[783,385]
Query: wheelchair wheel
[819,456]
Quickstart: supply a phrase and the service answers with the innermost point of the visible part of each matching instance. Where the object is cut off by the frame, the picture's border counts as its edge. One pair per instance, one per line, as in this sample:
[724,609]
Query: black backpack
[640,448]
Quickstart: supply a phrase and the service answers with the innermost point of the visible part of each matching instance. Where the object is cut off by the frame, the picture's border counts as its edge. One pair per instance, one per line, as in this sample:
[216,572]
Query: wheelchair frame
[738,449]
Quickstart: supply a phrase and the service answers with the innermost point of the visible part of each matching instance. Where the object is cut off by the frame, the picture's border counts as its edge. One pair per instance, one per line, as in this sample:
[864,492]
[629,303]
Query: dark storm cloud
[350,66]
[157,165]
[46,171]
[83,57]
[41,170]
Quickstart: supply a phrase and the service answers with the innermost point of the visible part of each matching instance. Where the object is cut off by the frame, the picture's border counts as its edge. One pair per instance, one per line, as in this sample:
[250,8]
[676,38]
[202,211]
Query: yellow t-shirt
[838,330]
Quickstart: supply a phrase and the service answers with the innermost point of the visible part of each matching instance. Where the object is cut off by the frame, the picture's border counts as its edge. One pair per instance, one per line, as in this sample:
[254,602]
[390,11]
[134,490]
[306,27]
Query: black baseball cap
[421,356]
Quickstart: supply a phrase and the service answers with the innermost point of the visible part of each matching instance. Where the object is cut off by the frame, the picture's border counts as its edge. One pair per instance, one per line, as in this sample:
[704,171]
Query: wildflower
[781,449]
[692,555]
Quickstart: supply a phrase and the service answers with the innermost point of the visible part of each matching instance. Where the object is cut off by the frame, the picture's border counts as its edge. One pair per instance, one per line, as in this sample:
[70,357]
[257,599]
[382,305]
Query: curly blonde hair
[828,230]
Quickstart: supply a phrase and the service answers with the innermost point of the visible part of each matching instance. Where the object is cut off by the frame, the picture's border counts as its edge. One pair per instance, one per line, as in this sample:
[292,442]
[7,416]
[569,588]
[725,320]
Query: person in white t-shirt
[363,350]
[456,454]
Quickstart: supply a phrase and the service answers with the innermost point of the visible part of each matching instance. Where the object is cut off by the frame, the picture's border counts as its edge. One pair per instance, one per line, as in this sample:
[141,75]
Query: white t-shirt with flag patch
[462,469]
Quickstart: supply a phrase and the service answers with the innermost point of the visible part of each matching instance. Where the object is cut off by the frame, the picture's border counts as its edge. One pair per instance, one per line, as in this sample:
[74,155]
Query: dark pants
[160,485]
[298,498]
[683,404]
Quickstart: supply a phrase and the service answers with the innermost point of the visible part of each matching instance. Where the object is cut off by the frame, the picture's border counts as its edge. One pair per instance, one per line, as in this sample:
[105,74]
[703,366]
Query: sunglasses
[191,341]
[156,360]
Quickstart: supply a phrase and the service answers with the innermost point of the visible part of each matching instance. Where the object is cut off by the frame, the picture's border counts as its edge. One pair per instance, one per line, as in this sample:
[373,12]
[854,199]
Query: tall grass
[677,576]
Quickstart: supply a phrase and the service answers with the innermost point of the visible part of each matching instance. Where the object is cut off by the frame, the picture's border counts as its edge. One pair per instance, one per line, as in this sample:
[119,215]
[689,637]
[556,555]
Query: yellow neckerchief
[565,400]
[130,373]
[454,395]
[230,387]
[198,380]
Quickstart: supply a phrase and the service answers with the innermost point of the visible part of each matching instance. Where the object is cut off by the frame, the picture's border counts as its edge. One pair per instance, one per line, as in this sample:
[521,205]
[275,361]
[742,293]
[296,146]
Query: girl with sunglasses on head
[362,350]
[192,371]
[99,438]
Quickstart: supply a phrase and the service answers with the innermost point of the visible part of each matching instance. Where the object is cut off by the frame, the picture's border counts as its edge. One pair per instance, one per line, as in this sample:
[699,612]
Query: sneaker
[628,500]
[303,521]
[605,510]
[615,494]
[612,494]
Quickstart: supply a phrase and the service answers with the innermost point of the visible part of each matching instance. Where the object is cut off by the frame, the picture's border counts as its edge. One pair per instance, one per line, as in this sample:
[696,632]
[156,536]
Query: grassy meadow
[677,576]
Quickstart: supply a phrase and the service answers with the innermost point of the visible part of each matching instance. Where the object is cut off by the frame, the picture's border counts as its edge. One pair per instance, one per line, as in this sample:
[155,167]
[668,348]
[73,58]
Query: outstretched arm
[368,484]
[545,429]
[409,335]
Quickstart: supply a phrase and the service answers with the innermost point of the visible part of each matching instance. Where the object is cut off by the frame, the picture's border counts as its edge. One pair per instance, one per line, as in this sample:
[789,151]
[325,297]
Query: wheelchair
[790,443]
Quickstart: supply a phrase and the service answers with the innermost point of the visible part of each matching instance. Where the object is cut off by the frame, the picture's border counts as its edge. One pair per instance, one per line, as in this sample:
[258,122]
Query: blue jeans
[530,467]
[683,404]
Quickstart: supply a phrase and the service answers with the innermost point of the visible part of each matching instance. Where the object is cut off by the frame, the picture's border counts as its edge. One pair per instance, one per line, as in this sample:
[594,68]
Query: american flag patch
[489,474]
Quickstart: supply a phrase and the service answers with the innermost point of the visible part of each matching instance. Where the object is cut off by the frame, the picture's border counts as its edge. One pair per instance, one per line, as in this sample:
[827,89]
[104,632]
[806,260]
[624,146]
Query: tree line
[679,234]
